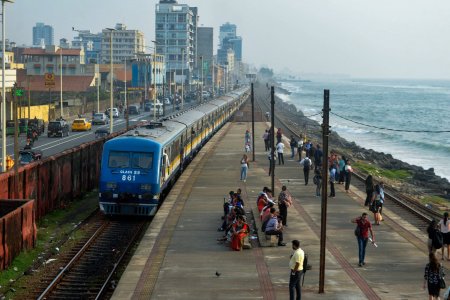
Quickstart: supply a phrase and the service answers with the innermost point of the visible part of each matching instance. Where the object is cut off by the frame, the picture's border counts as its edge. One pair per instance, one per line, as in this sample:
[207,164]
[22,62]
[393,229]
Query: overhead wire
[389,129]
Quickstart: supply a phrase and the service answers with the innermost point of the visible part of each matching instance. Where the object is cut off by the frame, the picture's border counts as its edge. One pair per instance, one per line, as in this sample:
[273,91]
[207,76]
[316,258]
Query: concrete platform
[179,255]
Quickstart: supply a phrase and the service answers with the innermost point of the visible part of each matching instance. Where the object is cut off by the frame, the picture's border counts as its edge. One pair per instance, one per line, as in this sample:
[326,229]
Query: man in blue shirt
[274,227]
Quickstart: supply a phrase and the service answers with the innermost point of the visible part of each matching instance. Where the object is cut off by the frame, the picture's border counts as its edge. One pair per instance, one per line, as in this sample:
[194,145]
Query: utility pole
[323,222]
[253,123]
[272,139]
[16,142]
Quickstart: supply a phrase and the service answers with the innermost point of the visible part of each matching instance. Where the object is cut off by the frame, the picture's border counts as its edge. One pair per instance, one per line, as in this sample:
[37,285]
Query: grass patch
[436,200]
[51,228]
[379,172]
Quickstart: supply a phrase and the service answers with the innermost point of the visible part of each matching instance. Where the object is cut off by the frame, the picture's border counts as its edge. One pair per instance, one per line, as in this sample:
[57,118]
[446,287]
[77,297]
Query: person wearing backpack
[306,163]
[363,226]
[296,268]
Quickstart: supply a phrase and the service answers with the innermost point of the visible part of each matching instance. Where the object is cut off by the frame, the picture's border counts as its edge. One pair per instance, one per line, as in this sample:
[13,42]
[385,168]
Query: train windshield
[134,160]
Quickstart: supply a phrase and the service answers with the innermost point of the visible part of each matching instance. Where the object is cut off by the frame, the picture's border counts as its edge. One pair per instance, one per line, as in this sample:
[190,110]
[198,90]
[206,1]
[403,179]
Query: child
[317,180]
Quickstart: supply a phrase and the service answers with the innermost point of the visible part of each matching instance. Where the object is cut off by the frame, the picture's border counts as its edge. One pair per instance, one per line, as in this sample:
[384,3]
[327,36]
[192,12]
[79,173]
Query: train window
[142,160]
[119,159]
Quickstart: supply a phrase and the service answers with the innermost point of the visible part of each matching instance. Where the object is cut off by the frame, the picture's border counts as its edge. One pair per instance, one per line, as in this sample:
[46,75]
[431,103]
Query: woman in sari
[239,231]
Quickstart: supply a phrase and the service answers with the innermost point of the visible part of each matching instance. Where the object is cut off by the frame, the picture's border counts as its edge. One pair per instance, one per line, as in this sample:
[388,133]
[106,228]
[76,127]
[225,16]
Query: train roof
[160,132]
[189,117]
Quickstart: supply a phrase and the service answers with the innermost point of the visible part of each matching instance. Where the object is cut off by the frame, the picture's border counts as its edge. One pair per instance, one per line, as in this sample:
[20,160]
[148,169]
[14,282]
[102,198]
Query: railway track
[89,272]
[407,207]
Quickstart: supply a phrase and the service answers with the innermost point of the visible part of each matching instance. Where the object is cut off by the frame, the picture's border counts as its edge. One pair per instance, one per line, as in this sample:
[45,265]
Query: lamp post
[201,86]
[4,88]
[111,103]
[182,78]
[154,80]
[60,82]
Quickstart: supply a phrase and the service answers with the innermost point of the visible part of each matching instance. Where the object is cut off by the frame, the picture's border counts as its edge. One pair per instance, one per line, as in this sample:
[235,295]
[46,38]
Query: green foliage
[51,228]
[379,172]
[436,200]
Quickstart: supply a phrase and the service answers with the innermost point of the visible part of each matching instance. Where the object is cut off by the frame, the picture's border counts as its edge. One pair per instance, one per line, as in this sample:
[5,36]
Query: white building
[125,44]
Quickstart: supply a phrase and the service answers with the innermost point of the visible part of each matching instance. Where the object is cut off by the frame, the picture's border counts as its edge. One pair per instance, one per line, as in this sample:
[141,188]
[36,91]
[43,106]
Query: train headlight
[146,187]
[111,185]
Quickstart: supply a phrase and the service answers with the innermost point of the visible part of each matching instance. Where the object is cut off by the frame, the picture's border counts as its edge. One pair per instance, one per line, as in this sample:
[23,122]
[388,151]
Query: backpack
[307,163]
[315,180]
[305,264]
[437,240]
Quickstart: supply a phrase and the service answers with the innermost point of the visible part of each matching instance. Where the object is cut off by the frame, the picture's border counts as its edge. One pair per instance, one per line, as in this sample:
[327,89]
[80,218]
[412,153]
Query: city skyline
[404,39]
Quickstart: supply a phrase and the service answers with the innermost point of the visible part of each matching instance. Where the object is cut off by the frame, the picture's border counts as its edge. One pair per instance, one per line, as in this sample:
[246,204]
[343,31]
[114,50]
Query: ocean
[401,105]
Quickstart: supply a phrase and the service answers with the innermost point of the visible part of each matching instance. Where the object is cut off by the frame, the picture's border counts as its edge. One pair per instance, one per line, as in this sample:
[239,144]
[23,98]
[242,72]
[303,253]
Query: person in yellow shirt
[296,266]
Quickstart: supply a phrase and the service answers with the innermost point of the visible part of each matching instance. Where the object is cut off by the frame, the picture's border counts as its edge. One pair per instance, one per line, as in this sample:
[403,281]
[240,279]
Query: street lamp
[154,80]
[111,102]
[182,78]
[60,82]
[4,88]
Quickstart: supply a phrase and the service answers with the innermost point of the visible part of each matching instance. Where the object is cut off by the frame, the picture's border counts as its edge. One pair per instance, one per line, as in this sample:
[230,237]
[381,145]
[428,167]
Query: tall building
[176,38]
[229,40]
[91,43]
[205,42]
[43,35]
[126,44]
[227,30]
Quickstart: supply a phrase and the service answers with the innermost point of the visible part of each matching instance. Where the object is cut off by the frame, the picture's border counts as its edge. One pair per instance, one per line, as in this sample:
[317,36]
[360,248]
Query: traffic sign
[19,92]
[49,80]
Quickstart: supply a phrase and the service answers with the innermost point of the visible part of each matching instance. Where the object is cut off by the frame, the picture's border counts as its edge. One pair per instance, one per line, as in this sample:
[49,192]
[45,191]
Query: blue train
[139,165]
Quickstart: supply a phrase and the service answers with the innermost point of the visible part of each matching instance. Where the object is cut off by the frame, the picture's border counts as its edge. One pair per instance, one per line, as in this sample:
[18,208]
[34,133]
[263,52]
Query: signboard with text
[49,80]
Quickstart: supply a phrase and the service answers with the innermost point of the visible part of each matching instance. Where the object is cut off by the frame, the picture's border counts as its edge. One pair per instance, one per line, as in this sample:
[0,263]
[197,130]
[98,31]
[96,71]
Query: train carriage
[138,166]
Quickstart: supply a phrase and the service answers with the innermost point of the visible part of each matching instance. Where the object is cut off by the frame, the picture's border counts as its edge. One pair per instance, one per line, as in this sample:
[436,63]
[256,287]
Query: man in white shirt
[296,266]
[280,150]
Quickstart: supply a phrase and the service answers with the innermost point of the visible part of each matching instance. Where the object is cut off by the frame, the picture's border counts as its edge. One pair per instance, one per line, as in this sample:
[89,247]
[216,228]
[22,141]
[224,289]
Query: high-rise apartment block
[229,40]
[125,44]
[176,36]
[43,35]
[91,43]
[205,41]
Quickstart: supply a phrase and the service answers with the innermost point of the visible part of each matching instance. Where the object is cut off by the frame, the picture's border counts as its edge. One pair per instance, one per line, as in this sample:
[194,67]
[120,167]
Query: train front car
[129,183]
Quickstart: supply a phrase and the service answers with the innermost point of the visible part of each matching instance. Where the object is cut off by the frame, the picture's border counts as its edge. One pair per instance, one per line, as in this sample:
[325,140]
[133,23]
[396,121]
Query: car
[133,110]
[100,118]
[159,107]
[81,124]
[37,124]
[115,112]
[205,95]
[58,128]
[166,101]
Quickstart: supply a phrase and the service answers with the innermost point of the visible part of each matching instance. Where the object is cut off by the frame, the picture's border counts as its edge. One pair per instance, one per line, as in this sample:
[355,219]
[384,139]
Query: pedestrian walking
[293,143]
[432,231]
[317,180]
[342,163]
[375,205]
[434,274]
[300,148]
[306,163]
[332,180]
[248,137]
[369,190]
[269,156]
[348,176]
[279,135]
[444,226]
[280,151]
[244,167]
[318,155]
[284,202]
[296,268]
[363,227]
[266,140]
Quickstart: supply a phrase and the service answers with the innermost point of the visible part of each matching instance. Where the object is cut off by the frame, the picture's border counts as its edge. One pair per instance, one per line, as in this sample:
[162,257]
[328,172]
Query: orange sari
[239,233]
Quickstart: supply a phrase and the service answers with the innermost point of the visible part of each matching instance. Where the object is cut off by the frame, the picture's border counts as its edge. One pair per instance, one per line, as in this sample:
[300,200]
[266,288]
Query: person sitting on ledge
[239,231]
[274,227]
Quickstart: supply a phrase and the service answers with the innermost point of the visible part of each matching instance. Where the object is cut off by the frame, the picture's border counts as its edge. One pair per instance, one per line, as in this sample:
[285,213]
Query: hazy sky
[361,38]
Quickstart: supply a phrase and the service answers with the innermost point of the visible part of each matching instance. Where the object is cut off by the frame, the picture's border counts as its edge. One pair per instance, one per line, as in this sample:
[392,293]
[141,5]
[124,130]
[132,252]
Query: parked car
[159,107]
[58,128]
[100,118]
[166,101]
[205,95]
[81,125]
[38,124]
[115,112]
[133,110]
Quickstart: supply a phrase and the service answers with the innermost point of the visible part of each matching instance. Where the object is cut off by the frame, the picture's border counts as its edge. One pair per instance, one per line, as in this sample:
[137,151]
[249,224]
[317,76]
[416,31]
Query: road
[54,145]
